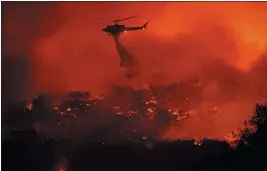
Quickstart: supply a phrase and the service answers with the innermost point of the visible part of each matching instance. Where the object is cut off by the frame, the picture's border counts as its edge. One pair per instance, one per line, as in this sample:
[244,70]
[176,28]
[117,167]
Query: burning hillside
[126,115]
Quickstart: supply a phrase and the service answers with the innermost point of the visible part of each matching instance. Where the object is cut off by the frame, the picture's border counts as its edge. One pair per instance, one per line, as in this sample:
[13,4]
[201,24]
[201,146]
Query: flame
[29,106]
[198,141]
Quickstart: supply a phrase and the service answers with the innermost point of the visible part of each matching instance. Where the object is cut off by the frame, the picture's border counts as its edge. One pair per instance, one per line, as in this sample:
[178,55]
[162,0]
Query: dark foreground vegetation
[27,151]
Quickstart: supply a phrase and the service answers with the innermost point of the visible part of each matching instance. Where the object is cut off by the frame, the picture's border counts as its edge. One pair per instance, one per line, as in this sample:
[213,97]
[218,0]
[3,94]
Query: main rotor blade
[117,20]
[101,23]
[125,19]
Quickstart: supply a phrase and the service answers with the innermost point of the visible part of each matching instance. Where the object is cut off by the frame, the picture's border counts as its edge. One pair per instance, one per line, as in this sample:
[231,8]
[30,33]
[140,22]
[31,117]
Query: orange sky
[64,51]
[70,51]
[78,52]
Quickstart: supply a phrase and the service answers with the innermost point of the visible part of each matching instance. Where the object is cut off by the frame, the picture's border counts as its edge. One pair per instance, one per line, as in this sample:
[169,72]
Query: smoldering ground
[211,43]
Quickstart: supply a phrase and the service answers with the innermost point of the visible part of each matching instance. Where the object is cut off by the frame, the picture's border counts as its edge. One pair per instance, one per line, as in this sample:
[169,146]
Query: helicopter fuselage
[115,29]
[118,29]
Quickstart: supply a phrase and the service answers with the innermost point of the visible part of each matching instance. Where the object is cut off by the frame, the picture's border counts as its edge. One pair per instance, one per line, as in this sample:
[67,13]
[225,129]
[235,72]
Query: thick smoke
[23,25]
[222,44]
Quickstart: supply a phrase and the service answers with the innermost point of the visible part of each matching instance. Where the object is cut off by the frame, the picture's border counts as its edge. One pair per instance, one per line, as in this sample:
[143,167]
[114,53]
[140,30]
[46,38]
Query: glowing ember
[175,112]
[150,110]
[29,106]
[233,139]
[198,141]
[144,137]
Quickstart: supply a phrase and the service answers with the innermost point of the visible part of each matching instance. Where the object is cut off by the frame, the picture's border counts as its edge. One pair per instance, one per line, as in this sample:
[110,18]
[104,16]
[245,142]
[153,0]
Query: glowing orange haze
[183,40]
[78,56]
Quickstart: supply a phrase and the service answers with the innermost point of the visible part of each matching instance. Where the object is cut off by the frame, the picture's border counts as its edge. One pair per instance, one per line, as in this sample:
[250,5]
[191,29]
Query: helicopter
[118,29]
